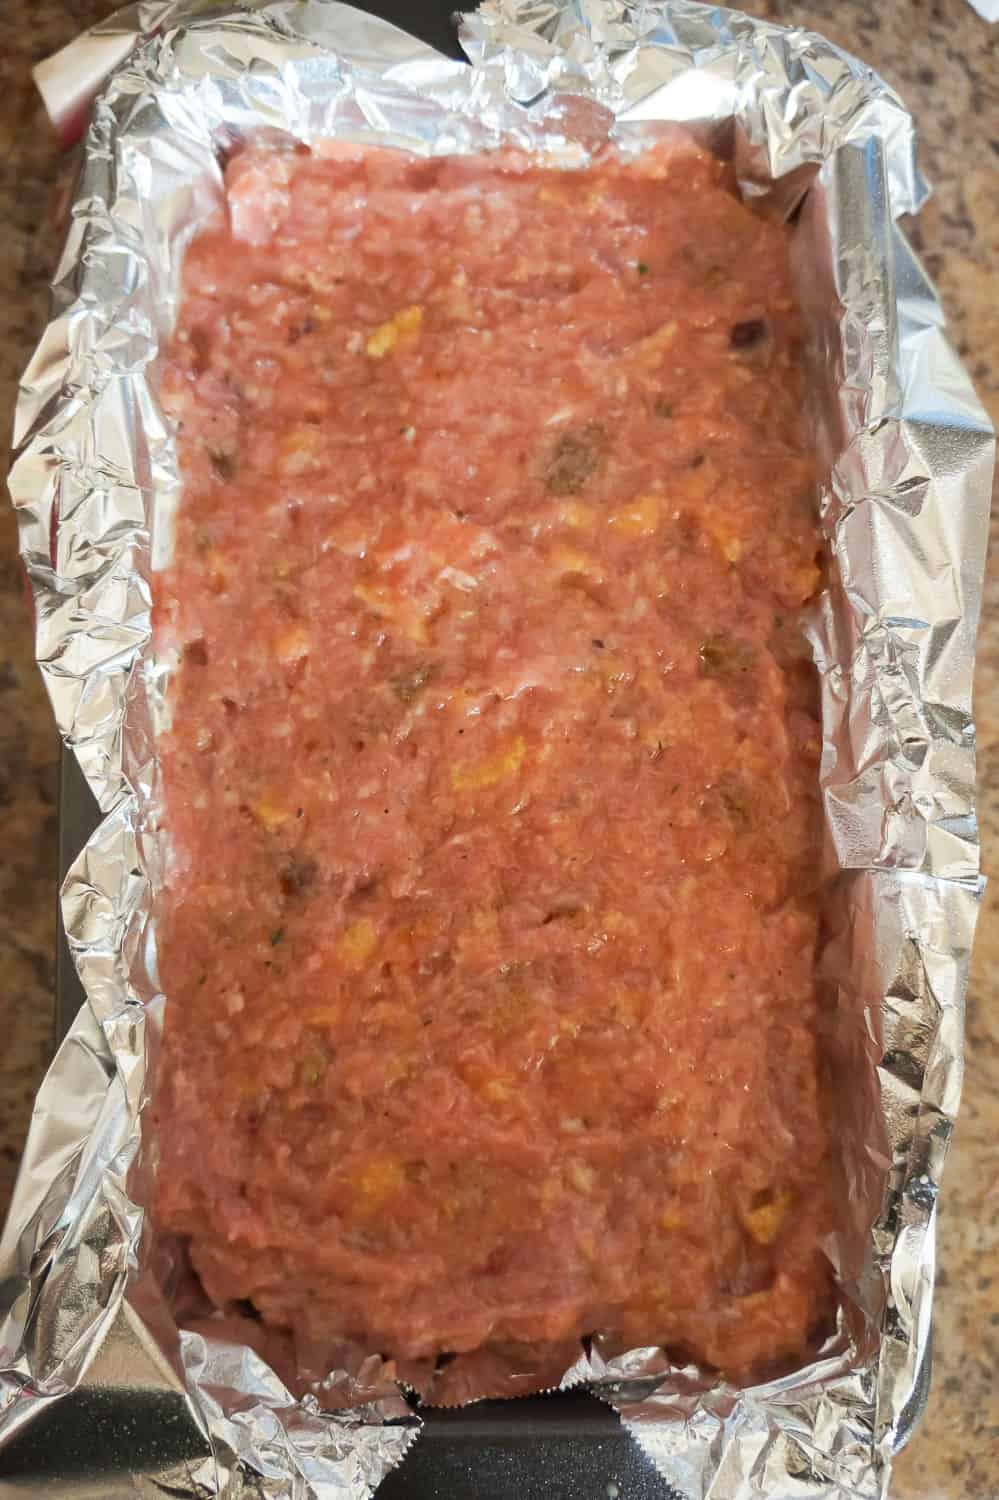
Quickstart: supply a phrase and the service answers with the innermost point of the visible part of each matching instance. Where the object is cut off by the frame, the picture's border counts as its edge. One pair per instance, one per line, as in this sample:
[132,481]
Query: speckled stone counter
[944,61]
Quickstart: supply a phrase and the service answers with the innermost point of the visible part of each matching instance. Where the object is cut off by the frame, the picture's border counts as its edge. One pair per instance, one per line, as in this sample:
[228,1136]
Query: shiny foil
[907,454]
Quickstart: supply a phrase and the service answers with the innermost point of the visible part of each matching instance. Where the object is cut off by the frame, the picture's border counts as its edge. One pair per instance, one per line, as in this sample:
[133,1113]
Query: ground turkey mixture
[489,933]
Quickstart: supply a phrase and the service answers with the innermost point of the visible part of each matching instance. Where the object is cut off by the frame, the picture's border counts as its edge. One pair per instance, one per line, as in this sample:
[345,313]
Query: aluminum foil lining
[907,452]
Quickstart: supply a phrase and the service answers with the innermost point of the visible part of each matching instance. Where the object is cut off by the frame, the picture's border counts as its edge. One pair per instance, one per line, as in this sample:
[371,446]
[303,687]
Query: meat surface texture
[488,934]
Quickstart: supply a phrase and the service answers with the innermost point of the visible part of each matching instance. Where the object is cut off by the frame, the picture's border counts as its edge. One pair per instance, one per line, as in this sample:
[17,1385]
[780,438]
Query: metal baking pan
[567,1444]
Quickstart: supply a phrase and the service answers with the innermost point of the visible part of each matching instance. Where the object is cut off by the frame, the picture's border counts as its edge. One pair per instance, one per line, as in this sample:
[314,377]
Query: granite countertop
[944,61]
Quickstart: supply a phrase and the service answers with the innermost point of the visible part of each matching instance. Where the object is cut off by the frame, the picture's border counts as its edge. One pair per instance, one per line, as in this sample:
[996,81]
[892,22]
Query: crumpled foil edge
[905,509]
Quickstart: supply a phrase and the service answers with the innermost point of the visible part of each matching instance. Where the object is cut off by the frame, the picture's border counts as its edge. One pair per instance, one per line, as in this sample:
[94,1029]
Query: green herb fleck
[722,656]
[409,685]
[575,459]
[313,1069]
[642,268]
[735,799]
[223,464]
[277,936]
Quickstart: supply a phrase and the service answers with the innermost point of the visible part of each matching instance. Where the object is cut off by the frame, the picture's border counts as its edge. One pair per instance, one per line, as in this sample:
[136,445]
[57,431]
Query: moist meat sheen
[489,926]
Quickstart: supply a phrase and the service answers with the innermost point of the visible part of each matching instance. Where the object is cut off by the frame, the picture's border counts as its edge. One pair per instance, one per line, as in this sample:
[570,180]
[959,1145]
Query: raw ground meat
[489,931]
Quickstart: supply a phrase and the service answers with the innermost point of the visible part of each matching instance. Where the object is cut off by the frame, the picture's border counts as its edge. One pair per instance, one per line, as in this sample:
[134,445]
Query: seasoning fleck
[748,334]
[576,458]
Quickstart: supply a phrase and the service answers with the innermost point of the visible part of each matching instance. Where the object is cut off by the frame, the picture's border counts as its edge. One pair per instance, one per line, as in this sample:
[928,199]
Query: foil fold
[908,453]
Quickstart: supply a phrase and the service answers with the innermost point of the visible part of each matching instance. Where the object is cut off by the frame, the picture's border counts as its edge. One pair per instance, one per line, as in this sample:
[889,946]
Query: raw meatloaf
[489,930]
